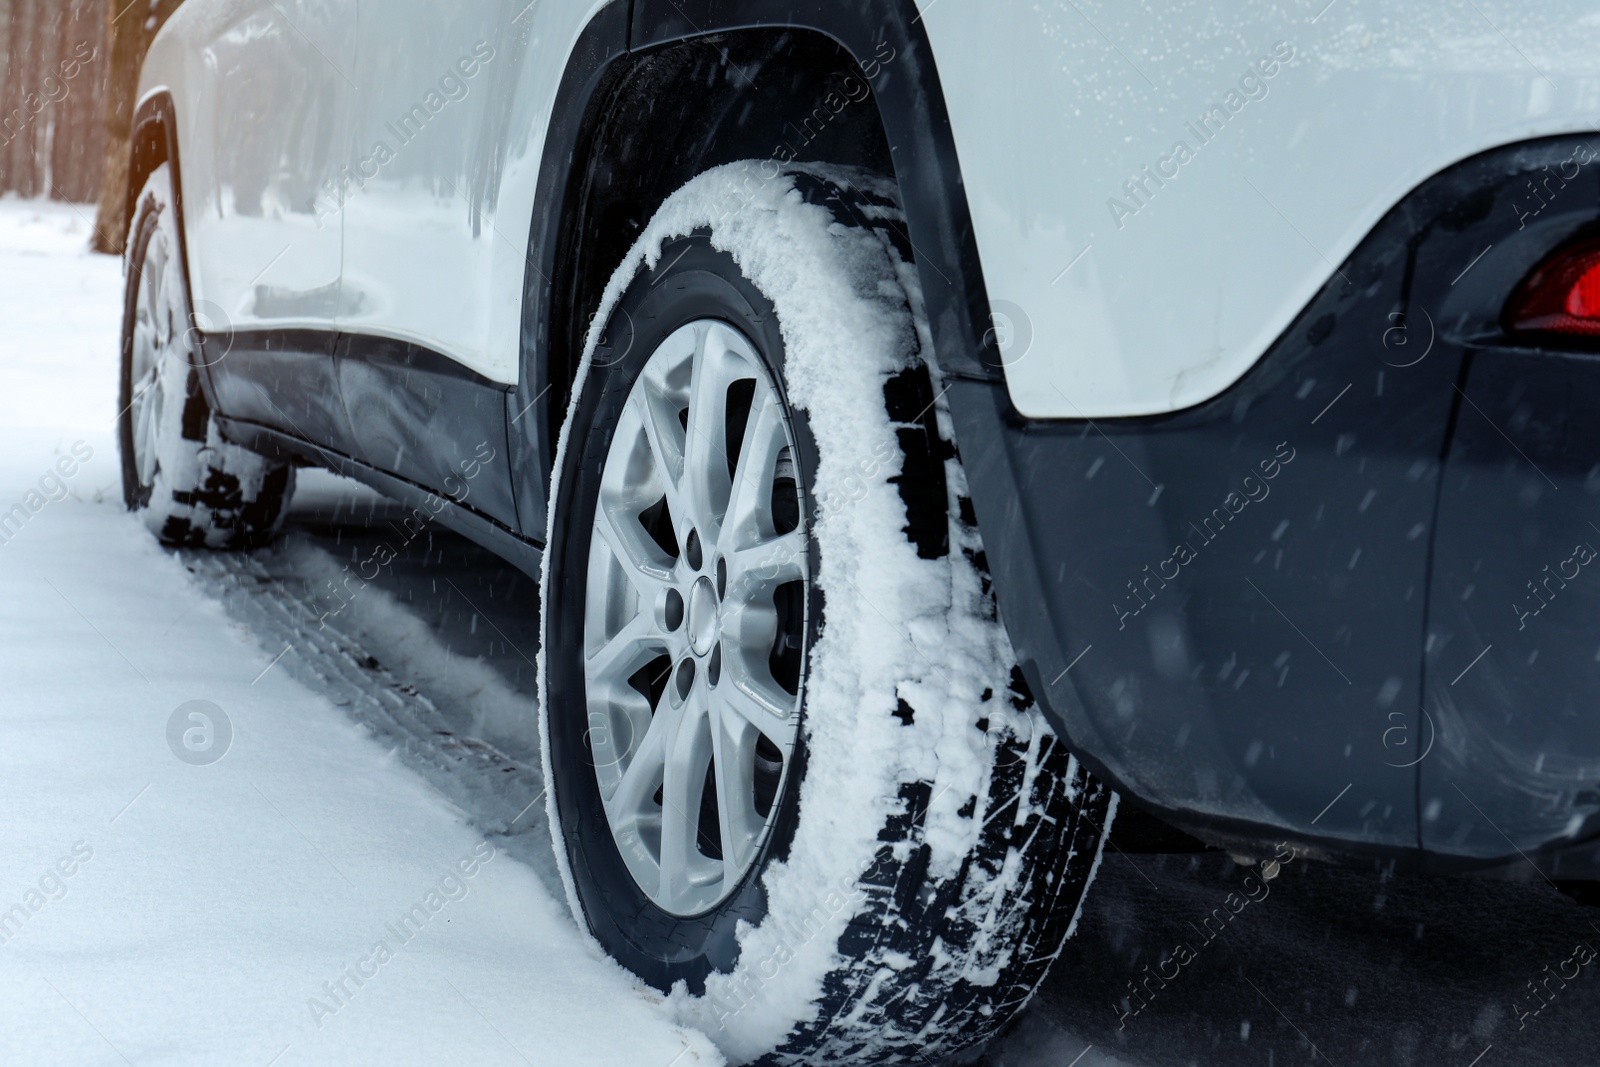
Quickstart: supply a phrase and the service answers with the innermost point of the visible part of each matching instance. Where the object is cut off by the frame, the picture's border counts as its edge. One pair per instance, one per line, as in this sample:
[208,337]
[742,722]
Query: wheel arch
[657,91]
[152,141]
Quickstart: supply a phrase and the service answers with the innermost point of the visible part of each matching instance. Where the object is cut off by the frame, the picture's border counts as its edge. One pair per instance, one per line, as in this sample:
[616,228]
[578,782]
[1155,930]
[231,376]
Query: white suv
[1261,337]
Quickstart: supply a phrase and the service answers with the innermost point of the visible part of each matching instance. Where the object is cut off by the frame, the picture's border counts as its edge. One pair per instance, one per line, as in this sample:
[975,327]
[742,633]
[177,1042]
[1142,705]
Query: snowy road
[381,787]
[306,898]
[1333,967]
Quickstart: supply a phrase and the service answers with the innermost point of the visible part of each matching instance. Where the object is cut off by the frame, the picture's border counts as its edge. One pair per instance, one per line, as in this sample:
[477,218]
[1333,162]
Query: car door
[430,128]
[261,188]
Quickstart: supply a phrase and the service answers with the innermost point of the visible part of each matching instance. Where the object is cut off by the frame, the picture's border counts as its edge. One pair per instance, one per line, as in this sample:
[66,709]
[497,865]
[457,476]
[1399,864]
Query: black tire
[192,488]
[930,947]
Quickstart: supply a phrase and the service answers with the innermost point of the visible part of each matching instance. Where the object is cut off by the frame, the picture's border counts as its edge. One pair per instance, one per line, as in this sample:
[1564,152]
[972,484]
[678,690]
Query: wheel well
[149,147]
[667,115]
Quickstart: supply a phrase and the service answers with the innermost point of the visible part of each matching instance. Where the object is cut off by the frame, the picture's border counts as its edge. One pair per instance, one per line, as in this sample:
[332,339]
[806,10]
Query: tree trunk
[77,145]
[130,26]
[52,97]
[22,75]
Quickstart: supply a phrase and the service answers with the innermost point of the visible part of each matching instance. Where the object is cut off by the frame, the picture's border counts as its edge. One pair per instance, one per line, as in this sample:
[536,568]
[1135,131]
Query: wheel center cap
[704,624]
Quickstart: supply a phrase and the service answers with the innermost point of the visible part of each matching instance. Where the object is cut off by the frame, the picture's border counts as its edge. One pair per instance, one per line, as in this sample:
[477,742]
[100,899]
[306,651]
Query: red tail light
[1561,296]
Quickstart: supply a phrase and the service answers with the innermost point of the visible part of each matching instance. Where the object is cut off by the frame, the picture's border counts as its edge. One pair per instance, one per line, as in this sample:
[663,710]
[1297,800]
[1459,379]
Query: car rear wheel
[796,779]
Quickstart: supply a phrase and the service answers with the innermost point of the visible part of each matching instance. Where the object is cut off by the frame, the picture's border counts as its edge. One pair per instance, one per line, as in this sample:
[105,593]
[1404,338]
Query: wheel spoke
[619,720]
[145,342]
[688,756]
[705,449]
[764,706]
[634,645]
[647,568]
[750,516]
[145,379]
[632,803]
[147,425]
[154,278]
[666,440]
[754,571]
[738,823]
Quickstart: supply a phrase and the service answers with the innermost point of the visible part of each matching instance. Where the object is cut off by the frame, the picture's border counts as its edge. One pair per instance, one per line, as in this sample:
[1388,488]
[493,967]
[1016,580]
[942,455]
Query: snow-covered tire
[930,841]
[192,488]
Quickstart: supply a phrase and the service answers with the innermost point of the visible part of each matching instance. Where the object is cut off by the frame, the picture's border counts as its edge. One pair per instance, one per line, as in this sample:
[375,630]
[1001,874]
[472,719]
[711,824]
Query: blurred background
[69,70]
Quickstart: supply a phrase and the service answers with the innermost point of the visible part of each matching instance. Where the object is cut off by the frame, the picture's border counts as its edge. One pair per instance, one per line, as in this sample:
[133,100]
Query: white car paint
[424,243]
[263,130]
[436,244]
[1117,291]
[1104,312]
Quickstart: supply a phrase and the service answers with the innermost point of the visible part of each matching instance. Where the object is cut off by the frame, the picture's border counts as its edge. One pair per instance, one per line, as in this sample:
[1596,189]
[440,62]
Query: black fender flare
[886,35]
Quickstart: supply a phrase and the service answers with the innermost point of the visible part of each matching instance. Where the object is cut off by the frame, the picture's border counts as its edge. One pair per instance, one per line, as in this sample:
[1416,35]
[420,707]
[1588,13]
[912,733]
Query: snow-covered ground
[306,898]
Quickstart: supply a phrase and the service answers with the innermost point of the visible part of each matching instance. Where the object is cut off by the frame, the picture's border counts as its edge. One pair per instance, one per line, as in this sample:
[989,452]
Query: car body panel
[1510,752]
[258,128]
[1513,673]
[436,247]
[1332,650]
[435,177]
[428,420]
[282,378]
[1233,597]
[1167,300]
[420,210]
[262,109]
[441,227]
[1287,676]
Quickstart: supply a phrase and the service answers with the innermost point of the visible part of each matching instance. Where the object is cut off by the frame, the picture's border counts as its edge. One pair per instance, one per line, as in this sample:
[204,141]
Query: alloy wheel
[695,617]
[154,333]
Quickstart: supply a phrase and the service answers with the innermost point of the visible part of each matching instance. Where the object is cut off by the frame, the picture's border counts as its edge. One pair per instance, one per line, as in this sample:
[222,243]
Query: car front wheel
[191,488]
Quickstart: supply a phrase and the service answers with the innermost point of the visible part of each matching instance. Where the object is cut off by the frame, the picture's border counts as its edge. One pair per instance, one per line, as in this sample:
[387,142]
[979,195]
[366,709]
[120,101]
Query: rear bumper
[1253,616]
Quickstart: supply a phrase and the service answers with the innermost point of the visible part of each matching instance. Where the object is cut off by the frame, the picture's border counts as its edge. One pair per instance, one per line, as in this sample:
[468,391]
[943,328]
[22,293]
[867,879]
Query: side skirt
[525,555]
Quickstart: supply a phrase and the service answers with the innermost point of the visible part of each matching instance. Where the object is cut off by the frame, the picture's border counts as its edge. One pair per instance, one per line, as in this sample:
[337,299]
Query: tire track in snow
[454,719]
